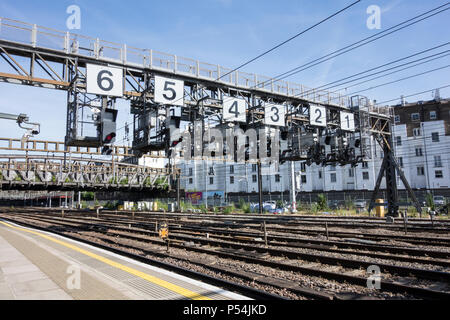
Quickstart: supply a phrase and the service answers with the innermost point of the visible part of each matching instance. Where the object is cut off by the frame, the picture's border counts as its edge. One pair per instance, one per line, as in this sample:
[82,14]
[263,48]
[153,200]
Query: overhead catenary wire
[373,37]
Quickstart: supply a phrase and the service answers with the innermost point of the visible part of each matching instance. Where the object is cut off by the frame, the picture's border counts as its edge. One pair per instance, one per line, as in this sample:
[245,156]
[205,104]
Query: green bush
[322,202]
[229,209]
[430,201]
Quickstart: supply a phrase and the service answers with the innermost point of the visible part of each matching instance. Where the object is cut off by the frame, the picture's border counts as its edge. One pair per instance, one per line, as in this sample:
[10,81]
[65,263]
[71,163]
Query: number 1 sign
[104,81]
[347,121]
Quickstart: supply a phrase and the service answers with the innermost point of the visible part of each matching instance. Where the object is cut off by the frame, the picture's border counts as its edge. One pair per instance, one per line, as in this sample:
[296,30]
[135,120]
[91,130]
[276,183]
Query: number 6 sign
[104,81]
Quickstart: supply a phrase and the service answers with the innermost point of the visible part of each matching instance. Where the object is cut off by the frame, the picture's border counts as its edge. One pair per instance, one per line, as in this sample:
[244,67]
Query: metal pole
[260,187]
[292,193]
[265,233]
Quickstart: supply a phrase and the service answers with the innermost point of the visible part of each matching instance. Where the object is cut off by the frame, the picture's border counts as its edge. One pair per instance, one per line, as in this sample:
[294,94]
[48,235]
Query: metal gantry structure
[165,90]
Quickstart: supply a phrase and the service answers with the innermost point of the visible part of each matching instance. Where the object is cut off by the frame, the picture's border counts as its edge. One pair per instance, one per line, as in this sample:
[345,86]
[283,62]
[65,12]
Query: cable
[402,79]
[381,66]
[290,39]
[333,54]
[412,95]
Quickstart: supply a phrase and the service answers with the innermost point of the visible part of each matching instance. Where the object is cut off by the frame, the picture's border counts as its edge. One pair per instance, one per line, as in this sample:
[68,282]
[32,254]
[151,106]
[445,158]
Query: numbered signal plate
[169,91]
[105,81]
[347,121]
[275,115]
[234,110]
[317,116]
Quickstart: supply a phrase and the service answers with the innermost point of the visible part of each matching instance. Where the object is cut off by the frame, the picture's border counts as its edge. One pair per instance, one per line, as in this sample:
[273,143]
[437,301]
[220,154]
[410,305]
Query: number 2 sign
[317,116]
[104,81]
[169,91]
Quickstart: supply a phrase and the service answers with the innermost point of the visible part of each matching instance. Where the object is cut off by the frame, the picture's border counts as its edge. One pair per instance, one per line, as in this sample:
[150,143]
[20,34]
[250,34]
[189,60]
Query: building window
[420,171]
[419,152]
[191,181]
[435,137]
[433,115]
[231,180]
[304,179]
[437,162]
[365,165]
[351,173]
[231,169]
[303,167]
[255,178]
[333,167]
[415,117]
[211,180]
[417,132]
[254,167]
[397,119]
[365,175]
[277,178]
[211,171]
[320,174]
[399,141]
[438,174]
[400,161]
[191,172]
[333,177]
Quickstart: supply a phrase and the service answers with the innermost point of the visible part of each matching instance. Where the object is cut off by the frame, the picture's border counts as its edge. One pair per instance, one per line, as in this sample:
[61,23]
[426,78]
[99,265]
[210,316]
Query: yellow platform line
[162,283]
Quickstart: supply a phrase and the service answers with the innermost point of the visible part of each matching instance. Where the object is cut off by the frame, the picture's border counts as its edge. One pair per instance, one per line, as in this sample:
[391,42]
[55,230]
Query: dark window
[397,119]
[433,115]
[400,161]
[231,180]
[255,178]
[399,141]
[419,152]
[211,171]
[211,180]
[254,167]
[365,176]
[437,161]
[351,173]
[415,117]
[191,181]
[333,177]
[231,169]
[191,172]
[304,179]
[420,171]
[277,178]
[435,136]
[439,174]
[303,167]
[320,174]
[365,165]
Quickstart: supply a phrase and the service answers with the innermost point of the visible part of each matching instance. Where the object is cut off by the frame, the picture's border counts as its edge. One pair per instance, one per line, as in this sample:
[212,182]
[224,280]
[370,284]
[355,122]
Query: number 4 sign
[104,81]
[234,110]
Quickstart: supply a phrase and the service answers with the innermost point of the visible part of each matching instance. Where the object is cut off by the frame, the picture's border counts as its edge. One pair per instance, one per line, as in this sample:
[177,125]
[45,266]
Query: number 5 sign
[104,81]
[169,91]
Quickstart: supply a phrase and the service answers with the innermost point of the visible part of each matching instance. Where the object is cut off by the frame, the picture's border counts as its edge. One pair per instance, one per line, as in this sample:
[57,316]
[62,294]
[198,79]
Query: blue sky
[230,32]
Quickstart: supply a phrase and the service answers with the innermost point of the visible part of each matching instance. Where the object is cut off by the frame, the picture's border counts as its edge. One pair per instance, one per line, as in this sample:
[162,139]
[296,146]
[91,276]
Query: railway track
[259,255]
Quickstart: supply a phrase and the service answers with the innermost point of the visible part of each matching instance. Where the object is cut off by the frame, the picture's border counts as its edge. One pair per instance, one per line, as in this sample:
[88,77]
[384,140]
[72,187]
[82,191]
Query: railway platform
[36,265]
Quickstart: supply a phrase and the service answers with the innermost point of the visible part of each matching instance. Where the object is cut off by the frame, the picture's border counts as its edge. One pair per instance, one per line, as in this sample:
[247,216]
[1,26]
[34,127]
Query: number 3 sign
[104,81]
